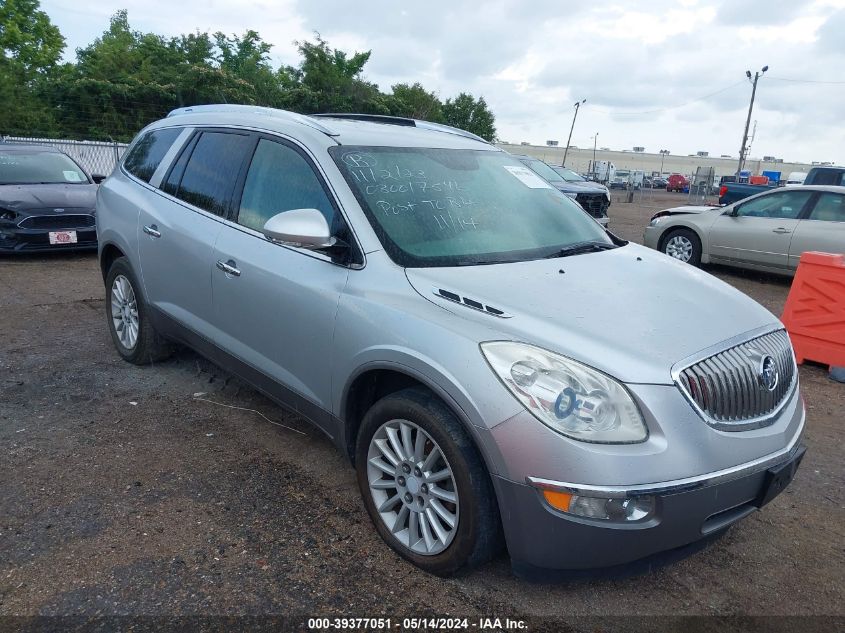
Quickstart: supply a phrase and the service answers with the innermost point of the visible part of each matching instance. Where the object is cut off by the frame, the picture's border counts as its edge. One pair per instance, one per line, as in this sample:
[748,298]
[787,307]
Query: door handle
[152,230]
[229,267]
[780,230]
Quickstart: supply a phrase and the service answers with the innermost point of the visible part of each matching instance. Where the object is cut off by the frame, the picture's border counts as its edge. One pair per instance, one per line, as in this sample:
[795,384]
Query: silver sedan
[767,232]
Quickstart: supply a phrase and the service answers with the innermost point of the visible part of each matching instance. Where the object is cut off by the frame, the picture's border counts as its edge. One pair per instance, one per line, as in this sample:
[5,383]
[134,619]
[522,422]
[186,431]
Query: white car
[766,232]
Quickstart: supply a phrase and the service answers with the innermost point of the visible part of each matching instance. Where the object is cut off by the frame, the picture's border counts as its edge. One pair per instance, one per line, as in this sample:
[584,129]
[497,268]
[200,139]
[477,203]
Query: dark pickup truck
[731,192]
[825,176]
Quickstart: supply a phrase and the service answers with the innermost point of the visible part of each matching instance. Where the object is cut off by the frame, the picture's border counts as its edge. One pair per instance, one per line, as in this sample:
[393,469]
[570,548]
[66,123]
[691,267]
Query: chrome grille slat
[726,389]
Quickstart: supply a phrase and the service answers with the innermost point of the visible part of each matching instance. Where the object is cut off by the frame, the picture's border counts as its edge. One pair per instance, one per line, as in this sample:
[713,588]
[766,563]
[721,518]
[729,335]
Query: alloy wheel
[413,487]
[124,312]
[679,247]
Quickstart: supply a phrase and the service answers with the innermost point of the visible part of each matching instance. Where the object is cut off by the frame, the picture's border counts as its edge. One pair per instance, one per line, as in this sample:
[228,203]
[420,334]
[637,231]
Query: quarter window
[211,171]
[785,205]
[145,156]
[280,179]
[829,207]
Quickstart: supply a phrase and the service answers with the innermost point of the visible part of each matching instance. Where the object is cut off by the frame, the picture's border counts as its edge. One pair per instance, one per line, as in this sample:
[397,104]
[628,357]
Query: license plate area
[62,237]
[778,478]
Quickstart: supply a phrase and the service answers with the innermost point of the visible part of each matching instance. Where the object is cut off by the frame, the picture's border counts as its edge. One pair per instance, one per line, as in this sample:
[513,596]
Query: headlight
[570,398]
[570,194]
[655,221]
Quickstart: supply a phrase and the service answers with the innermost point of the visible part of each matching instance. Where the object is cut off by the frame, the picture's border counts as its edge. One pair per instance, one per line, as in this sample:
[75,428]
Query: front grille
[593,203]
[57,221]
[727,387]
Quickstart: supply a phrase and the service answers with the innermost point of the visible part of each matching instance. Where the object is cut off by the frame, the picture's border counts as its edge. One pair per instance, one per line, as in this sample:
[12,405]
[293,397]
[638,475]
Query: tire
[682,244]
[126,307]
[476,535]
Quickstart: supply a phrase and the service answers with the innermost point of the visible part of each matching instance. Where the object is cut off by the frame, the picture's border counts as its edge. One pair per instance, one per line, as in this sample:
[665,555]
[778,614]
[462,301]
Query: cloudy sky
[659,74]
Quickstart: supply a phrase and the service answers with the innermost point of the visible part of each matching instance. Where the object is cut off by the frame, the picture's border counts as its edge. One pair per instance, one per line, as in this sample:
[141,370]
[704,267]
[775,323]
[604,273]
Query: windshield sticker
[527,177]
[72,176]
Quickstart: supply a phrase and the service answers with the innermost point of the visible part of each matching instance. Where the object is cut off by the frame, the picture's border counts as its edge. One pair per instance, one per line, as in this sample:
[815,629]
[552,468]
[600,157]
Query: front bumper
[15,239]
[651,236]
[686,511]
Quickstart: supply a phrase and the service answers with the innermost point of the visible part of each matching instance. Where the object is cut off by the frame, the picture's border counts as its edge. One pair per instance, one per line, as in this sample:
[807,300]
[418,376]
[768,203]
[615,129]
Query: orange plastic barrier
[758,180]
[814,314]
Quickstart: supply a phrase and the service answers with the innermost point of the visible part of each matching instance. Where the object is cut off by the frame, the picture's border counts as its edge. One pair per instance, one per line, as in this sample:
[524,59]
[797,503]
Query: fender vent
[454,297]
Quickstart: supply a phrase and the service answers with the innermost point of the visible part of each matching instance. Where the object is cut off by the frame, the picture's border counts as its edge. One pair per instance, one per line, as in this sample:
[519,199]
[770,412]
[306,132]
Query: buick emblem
[768,373]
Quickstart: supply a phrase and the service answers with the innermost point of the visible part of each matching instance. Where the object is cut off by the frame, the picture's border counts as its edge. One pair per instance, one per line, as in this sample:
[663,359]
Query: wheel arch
[378,379]
[108,254]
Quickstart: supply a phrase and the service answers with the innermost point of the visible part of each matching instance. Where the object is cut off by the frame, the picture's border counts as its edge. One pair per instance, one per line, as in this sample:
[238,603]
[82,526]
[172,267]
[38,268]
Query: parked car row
[46,200]
[593,197]
[731,192]
[492,361]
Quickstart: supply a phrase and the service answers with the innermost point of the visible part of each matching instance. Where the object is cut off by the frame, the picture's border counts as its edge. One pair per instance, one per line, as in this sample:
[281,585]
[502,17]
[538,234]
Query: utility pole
[595,140]
[574,116]
[742,149]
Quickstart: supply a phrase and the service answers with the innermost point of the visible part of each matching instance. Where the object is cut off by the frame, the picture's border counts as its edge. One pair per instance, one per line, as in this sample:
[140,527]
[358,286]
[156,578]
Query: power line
[674,107]
[807,81]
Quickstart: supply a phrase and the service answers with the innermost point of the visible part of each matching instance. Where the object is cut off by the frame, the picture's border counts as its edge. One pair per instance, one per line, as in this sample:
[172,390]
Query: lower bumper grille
[594,204]
[744,385]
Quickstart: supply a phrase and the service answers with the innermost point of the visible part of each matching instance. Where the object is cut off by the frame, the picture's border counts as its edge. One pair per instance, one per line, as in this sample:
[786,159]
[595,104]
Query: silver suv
[492,361]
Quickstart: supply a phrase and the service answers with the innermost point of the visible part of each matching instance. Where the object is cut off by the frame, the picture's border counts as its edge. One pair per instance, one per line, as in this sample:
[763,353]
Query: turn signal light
[558,500]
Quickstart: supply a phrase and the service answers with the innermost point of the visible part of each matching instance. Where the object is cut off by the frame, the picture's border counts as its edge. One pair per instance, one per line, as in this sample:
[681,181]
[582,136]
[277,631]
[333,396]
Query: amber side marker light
[558,500]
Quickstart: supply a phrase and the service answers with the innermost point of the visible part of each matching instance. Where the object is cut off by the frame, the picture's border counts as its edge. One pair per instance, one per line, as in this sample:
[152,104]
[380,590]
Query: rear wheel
[424,484]
[128,317]
[683,245]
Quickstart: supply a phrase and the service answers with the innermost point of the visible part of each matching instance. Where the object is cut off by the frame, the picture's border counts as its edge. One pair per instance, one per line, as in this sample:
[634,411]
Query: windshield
[544,170]
[446,207]
[21,167]
[568,175]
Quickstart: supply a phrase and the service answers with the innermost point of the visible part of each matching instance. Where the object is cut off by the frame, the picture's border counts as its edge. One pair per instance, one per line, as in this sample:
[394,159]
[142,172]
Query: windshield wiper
[582,247]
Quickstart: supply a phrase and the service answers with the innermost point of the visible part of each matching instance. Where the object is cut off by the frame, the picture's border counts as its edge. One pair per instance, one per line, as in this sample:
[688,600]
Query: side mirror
[303,228]
[98,178]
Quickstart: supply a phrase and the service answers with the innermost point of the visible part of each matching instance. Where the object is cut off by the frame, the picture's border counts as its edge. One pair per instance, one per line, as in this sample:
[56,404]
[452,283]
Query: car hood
[687,210]
[630,312]
[28,197]
[581,187]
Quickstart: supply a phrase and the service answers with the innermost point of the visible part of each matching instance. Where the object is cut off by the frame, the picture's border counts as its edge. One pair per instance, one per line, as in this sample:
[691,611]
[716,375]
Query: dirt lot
[120,493]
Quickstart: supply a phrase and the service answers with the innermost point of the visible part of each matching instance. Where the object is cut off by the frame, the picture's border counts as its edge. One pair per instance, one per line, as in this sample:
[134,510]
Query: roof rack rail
[448,129]
[370,118]
[271,112]
[404,121]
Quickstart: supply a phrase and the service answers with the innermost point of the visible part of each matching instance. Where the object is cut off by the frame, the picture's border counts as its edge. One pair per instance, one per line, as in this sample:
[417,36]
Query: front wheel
[424,484]
[683,245]
[127,315]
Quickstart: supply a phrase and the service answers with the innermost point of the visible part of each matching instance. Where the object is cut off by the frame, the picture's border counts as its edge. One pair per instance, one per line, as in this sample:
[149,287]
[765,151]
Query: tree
[468,114]
[417,103]
[29,43]
[30,48]
[327,80]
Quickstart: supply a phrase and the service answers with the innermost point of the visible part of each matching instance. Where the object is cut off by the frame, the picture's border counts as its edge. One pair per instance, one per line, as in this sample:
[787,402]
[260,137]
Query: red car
[677,182]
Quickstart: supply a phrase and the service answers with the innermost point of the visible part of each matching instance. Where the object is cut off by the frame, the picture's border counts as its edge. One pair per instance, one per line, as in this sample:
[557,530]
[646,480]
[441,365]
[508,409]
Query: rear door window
[146,154]
[210,172]
[830,207]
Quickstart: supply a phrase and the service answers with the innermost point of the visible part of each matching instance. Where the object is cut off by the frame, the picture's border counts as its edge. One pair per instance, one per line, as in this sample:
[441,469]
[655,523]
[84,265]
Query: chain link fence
[96,157]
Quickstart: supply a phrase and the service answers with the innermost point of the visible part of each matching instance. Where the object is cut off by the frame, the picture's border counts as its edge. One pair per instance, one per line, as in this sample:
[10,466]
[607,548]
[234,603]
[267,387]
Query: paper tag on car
[72,176]
[62,237]
[527,177]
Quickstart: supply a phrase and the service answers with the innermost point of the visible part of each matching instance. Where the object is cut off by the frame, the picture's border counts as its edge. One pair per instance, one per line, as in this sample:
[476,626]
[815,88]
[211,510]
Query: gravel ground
[122,494]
